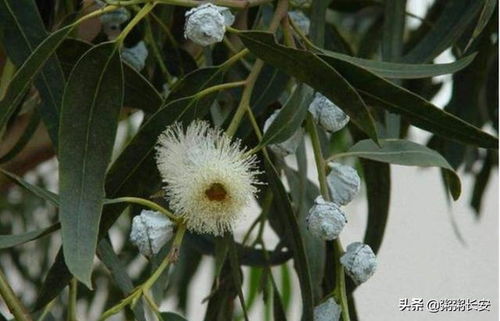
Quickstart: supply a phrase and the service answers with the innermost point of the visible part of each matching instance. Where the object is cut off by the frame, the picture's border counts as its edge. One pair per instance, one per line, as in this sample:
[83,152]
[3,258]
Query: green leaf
[484,17]
[36,190]
[170,316]
[235,271]
[453,21]
[401,70]
[404,152]
[139,92]
[294,239]
[89,117]
[289,118]
[11,240]
[312,70]
[23,30]
[28,132]
[417,110]
[393,29]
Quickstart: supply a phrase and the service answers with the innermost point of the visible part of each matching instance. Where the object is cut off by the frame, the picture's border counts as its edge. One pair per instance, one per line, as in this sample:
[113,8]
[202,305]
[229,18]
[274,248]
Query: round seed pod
[359,262]
[150,232]
[343,182]
[327,311]
[136,56]
[300,20]
[206,24]
[325,220]
[290,145]
[327,114]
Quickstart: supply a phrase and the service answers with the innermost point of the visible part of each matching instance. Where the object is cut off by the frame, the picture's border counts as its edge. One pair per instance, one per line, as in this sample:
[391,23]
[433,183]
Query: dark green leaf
[417,110]
[289,118]
[23,31]
[268,88]
[11,240]
[295,240]
[170,316]
[404,152]
[24,139]
[36,190]
[454,19]
[89,117]
[312,70]
[484,17]
[236,272]
[393,29]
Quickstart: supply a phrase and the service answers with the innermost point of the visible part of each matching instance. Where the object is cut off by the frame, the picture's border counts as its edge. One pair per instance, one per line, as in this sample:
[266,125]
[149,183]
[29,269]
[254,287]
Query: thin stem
[220,87]
[236,4]
[234,58]
[15,306]
[138,17]
[318,157]
[340,288]
[146,203]
[73,293]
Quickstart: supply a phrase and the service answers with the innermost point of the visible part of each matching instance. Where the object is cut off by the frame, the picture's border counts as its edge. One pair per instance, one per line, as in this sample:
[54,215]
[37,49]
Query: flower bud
[287,147]
[327,114]
[343,182]
[150,232]
[300,20]
[325,220]
[113,19]
[327,311]
[206,24]
[136,56]
[359,262]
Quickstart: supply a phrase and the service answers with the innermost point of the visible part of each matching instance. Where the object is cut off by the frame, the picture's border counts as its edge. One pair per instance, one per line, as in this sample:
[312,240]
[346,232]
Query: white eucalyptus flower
[327,311]
[206,24]
[136,55]
[209,179]
[359,262]
[325,220]
[290,145]
[343,182]
[327,114]
[300,20]
[151,231]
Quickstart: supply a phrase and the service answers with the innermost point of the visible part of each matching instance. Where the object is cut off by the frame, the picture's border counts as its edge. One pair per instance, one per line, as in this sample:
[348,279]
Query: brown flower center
[216,192]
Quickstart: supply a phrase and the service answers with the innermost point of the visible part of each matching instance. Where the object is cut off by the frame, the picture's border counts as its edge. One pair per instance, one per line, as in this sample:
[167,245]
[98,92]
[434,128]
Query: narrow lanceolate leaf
[453,21]
[89,116]
[402,70]
[22,31]
[295,240]
[289,118]
[486,13]
[404,152]
[36,190]
[393,29]
[418,111]
[11,240]
[312,70]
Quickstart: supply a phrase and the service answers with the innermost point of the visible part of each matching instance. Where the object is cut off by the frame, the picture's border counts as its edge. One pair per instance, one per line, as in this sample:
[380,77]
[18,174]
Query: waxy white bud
[343,182]
[300,20]
[151,231]
[287,147]
[136,56]
[206,24]
[327,311]
[113,19]
[327,114]
[325,220]
[359,262]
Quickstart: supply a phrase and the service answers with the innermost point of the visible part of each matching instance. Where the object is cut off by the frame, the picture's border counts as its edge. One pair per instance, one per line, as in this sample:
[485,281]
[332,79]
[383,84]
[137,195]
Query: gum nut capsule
[150,232]
[359,262]
[343,182]
[115,18]
[287,147]
[327,311]
[136,56]
[327,114]
[325,220]
[227,15]
[205,25]
[300,20]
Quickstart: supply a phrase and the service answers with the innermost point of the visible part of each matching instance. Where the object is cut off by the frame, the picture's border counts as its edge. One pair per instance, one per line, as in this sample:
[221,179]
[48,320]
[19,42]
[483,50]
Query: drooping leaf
[23,35]
[486,13]
[415,109]
[11,240]
[289,118]
[89,117]
[36,190]
[312,70]
[24,139]
[236,272]
[404,152]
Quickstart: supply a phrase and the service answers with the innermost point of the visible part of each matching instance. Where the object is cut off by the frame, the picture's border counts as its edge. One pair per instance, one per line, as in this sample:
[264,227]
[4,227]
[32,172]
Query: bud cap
[327,311]
[136,56]
[327,114]
[206,24]
[150,232]
[359,262]
[325,220]
[343,182]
